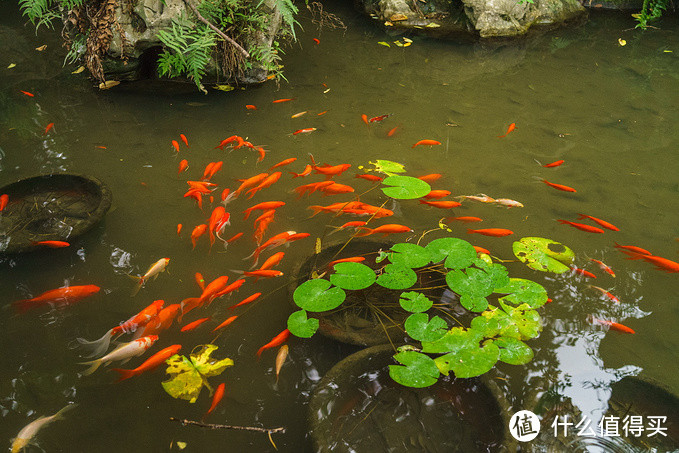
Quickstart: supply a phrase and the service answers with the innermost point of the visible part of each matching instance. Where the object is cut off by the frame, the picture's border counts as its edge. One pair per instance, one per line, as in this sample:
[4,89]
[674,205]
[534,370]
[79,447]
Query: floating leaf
[398,43]
[388,167]
[513,351]
[474,303]
[79,70]
[224,87]
[520,322]
[543,254]
[472,282]
[41,48]
[457,252]
[381,256]
[415,302]
[410,255]
[622,42]
[464,354]
[432,25]
[352,276]
[419,371]
[407,39]
[382,43]
[108,84]
[520,291]
[302,326]
[405,187]
[421,328]
[406,44]
[11,65]
[397,276]
[189,374]
[317,295]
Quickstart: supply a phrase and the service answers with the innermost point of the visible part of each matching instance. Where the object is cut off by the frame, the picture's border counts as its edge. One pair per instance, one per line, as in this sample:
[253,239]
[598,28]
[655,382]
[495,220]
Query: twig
[217,30]
[242,428]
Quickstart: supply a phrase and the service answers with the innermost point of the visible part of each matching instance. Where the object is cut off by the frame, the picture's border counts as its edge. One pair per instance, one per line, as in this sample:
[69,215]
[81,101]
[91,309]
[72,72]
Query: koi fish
[123,352]
[276,341]
[266,273]
[266,215]
[434,194]
[430,178]
[317,41]
[307,171]
[442,204]
[603,223]
[577,270]
[612,325]
[212,289]
[603,267]
[494,232]
[149,364]
[52,244]
[371,178]
[389,228]
[27,93]
[364,118]
[184,139]
[480,250]
[280,359]
[283,162]
[250,107]
[270,180]
[465,219]
[581,226]
[225,323]
[29,431]
[262,153]
[335,189]
[219,394]
[662,264]
[225,195]
[249,182]
[509,129]
[175,145]
[366,209]
[183,165]
[60,296]
[353,259]
[276,241]
[482,197]
[559,186]
[216,216]
[554,164]
[506,202]
[336,207]
[198,232]
[426,143]
[392,131]
[194,325]
[605,293]
[246,301]
[273,260]
[263,207]
[153,271]
[234,238]
[200,280]
[311,188]
[330,171]
[4,199]
[632,248]
[179,228]
[162,321]
[278,101]
[378,118]
[235,286]
[322,113]
[297,115]
[196,195]
[353,224]
[304,131]
[228,140]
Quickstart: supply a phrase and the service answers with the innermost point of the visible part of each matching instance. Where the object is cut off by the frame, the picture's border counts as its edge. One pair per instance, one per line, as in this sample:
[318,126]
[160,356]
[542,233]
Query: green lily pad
[520,322]
[458,253]
[352,276]
[473,303]
[521,291]
[419,371]
[302,326]
[317,295]
[464,354]
[405,187]
[421,328]
[397,276]
[471,282]
[513,351]
[543,254]
[415,302]
[410,255]
[388,167]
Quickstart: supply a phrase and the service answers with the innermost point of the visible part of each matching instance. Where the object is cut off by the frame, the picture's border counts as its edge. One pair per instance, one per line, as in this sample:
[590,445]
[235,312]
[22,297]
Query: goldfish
[482,197]
[581,226]
[273,260]
[270,180]
[426,143]
[494,232]
[216,216]
[509,129]
[149,364]
[311,188]
[276,341]
[392,131]
[612,325]
[366,209]
[506,202]
[480,250]
[226,141]
[465,219]
[364,118]
[266,273]
[275,241]
[216,398]
[52,244]
[430,178]
[559,186]
[246,301]
[217,166]
[60,296]
[123,352]
[632,248]
[283,162]
[263,207]
[198,232]
[261,229]
[213,288]
[193,325]
[29,431]
[389,228]
[304,131]
[378,118]
[336,207]
[442,204]
[603,267]
[250,107]
[235,286]
[179,228]
[225,195]
[27,93]
[278,101]
[162,321]
[196,195]
[184,139]
[175,145]
[307,171]
[266,215]
[330,171]
[297,115]
[183,165]
[322,113]
[48,128]
[605,293]
[280,359]
[221,224]
[262,153]
[353,259]
[4,199]
[353,224]
[153,271]
[662,264]
[371,178]
[235,237]
[335,189]
[200,280]
[225,323]
[317,41]
[582,272]
[603,223]
[249,182]
[434,194]
[554,164]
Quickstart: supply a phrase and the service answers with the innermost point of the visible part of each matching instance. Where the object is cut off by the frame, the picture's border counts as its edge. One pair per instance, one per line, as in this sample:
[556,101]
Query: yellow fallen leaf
[79,70]
[398,43]
[407,44]
[432,25]
[407,40]
[667,51]
[318,246]
[387,24]
[223,87]
[326,91]
[181,445]
[108,84]
[41,48]
[382,43]
[11,65]
[622,42]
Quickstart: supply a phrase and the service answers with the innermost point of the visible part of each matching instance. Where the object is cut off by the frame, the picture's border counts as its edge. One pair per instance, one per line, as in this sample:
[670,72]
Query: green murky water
[609,111]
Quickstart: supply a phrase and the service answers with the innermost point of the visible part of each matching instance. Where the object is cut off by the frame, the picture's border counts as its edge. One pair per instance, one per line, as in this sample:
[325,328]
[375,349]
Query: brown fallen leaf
[79,70]
[41,48]
[108,84]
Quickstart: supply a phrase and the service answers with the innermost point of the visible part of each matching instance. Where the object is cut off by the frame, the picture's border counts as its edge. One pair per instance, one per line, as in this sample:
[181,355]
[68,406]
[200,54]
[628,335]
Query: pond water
[608,110]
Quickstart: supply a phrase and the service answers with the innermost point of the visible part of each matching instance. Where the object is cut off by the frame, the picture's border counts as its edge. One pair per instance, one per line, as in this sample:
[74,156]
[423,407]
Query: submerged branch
[217,30]
[242,428]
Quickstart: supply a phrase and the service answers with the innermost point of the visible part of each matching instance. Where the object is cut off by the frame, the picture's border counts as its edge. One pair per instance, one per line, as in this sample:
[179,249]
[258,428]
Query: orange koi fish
[605,293]
[122,352]
[603,267]
[262,153]
[389,228]
[392,131]
[183,165]
[149,364]
[213,288]
[354,224]
[198,232]
[364,118]
[306,172]
[297,115]
[612,325]
[219,394]
[266,273]
[278,101]
[366,209]
[200,281]
[228,140]
[27,93]
[336,207]
[4,199]
[153,271]
[603,223]
[330,171]
[273,260]
[434,194]
[322,113]
[335,189]
[304,131]
[184,139]
[250,107]
[263,207]
[275,241]
[632,248]
[60,296]
[280,359]
[235,286]
[426,143]
[559,186]
[179,228]
[430,178]
[52,244]
[196,195]
[225,323]
[554,164]
[175,145]
[509,129]
[378,118]
[249,182]
[48,128]
[442,204]
[317,41]
[261,229]
[225,194]
[246,301]
[661,264]
[465,219]
[266,215]
[480,250]
[577,270]
[216,216]
[353,259]
[494,232]
[276,341]
[270,180]
[311,188]
[193,325]
[283,162]
[581,226]
[162,321]
[371,178]
[234,238]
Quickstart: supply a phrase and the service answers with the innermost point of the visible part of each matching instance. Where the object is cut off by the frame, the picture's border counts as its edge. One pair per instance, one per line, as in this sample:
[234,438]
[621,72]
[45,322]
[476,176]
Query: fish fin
[94,365]
[97,347]
[22,306]
[60,414]
[363,233]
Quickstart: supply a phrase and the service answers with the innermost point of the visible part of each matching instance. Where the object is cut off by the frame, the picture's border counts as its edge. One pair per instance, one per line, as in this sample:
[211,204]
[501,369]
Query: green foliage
[189,374]
[318,295]
[410,255]
[352,276]
[650,11]
[388,167]
[405,187]
[419,370]
[397,276]
[302,326]
[543,254]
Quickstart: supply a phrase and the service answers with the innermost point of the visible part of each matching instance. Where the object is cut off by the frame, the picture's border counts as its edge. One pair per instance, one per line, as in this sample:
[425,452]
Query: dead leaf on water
[108,84]
[181,445]
[318,246]
[79,70]
[224,87]
[407,40]
[41,48]
[406,44]
[432,25]
[388,24]
[398,43]
[11,65]
[326,91]
[382,43]
[622,42]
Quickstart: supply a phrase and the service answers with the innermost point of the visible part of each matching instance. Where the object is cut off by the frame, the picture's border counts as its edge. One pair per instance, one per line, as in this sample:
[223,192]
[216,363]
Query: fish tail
[137,287]
[22,306]
[97,347]
[247,214]
[316,209]
[364,233]
[563,222]
[582,216]
[313,162]
[187,305]
[470,231]
[94,365]
[124,374]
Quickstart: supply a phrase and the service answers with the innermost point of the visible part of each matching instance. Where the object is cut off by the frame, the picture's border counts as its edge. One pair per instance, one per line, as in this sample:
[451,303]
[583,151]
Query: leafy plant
[188,375]
[543,254]
[650,11]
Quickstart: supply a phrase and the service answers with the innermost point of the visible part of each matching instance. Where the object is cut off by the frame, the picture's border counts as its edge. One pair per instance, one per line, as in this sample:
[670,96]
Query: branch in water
[217,30]
[242,428]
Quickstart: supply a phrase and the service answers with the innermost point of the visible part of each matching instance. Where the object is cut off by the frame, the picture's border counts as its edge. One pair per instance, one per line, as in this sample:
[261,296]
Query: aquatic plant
[650,11]
[188,375]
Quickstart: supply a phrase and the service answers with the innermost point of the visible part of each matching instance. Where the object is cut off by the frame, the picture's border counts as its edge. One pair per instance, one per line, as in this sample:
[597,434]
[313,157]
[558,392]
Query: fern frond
[35,9]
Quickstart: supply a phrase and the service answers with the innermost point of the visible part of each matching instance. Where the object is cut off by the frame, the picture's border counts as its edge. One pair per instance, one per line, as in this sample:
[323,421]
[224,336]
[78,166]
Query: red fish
[162,321]
[378,118]
[268,181]
[228,140]
[304,131]
[389,228]
[273,260]
[266,215]
[336,207]
[430,178]
[613,325]
[434,194]
[52,244]
[198,232]
[196,195]
[250,107]
[27,93]
[307,171]
[331,170]
[59,296]
[283,162]
[554,164]
[278,101]
[216,216]
[603,267]
[266,273]
[183,165]
[276,241]
[426,143]
[175,145]
[494,232]
[249,182]
[4,199]
[184,139]
[216,398]
[234,238]
[235,286]
[261,229]
[200,281]
[246,301]
[353,224]
[317,41]
[480,250]
[225,323]
[276,341]
[48,128]
[577,270]
[149,364]
[442,204]
[465,219]
[311,188]
[662,264]
[559,186]
[322,113]
[371,178]
[392,131]
[581,226]
[509,129]
[336,189]
[606,293]
[193,325]
[364,118]
[632,248]
[263,207]
[179,228]
[603,223]
[353,259]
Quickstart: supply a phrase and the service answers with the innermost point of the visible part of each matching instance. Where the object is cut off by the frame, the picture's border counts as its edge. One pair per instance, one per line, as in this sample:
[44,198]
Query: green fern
[288,11]
[187,52]
[35,9]
[651,10]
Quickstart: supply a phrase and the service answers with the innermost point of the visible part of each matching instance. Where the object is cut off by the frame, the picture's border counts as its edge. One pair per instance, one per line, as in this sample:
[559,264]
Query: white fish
[29,431]
[508,203]
[155,269]
[124,352]
[280,359]
[482,197]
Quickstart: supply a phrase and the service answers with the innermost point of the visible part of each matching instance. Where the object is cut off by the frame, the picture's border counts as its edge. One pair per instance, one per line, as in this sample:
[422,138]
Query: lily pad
[302,326]
[419,371]
[521,291]
[513,351]
[458,253]
[410,255]
[352,276]
[189,374]
[472,282]
[388,167]
[520,322]
[474,303]
[318,295]
[543,254]
[415,302]
[397,276]
[421,328]
[464,354]
[405,187]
